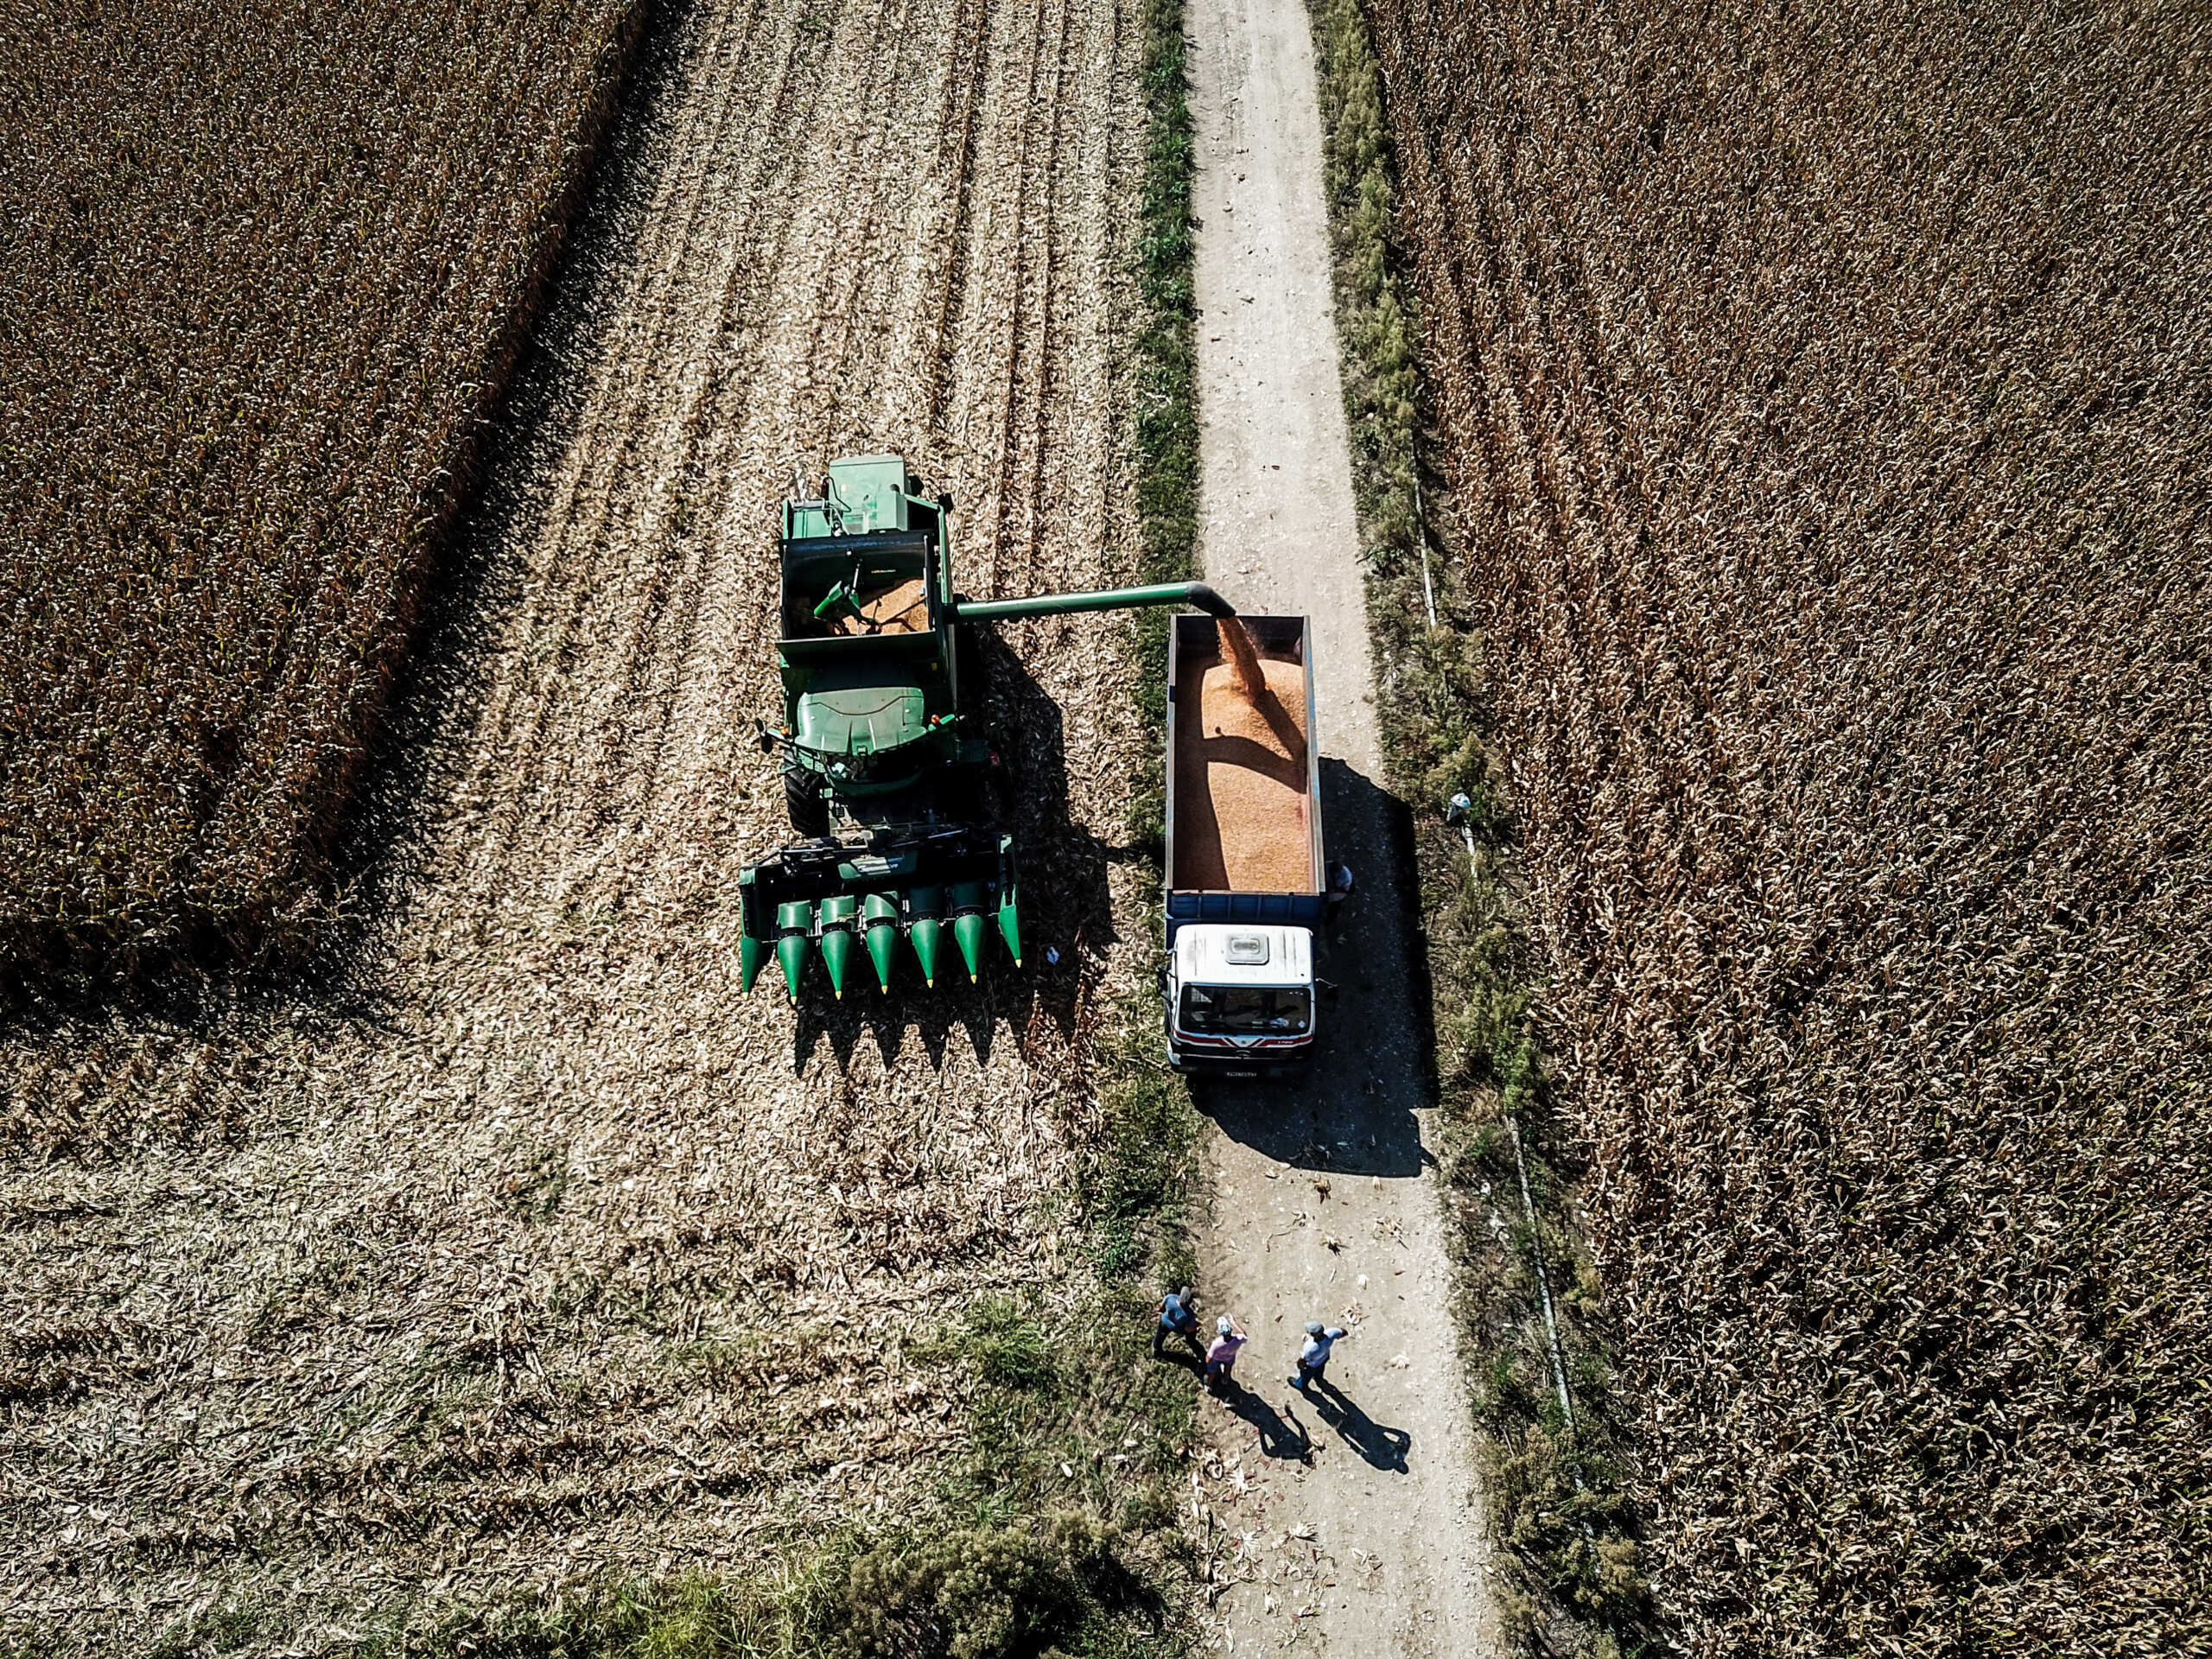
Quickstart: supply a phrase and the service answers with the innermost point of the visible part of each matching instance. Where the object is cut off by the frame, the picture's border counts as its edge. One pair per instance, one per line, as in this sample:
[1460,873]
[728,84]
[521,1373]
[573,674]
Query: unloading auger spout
[893,784]
[1196,595]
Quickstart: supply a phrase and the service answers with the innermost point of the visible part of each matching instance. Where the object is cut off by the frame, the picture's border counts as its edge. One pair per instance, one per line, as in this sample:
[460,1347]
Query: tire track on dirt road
[1347,1516]
[525,1250]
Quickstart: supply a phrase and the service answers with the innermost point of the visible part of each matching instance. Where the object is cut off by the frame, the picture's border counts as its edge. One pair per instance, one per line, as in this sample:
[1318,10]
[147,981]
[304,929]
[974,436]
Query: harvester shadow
[1289,737]
[1066,910]
[1249,756]
[1352,1111]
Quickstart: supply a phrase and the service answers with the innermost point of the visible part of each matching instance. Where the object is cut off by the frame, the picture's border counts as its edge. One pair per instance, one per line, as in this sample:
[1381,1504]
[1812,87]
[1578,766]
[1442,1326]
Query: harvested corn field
[1822,394]
[525,1251]
[268,268]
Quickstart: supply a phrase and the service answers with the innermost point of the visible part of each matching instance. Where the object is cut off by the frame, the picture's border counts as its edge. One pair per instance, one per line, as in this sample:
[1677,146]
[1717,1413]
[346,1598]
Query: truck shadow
[1066,909]
[1352,1111]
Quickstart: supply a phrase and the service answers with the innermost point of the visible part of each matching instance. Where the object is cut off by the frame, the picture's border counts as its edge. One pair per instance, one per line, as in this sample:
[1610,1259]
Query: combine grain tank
[1245,875]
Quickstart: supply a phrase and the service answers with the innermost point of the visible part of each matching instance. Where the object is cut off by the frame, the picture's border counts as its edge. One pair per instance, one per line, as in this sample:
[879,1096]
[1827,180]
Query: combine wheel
[804,800]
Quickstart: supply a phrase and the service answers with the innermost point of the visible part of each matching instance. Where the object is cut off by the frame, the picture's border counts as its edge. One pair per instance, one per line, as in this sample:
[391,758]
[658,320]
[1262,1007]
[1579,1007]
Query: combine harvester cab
[888,776]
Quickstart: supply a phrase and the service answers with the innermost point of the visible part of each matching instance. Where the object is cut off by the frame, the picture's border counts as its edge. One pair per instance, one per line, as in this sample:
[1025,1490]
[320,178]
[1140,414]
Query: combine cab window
[1245,1011]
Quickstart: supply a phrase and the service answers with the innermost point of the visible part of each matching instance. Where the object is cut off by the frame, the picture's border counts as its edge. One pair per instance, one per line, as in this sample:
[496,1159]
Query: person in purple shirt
[1221,1358]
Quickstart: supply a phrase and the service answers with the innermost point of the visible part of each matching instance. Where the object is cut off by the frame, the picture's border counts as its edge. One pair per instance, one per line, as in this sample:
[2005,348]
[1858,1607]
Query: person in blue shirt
[1313,1358]
[1179,1315]
[1340,883]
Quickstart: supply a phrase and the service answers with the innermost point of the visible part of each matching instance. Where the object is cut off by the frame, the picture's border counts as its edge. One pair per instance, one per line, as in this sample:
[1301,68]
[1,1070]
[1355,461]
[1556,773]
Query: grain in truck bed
[1243,817]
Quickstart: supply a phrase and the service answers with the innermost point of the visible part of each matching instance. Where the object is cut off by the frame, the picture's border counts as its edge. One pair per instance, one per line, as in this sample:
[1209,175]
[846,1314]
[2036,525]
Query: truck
[1246,893]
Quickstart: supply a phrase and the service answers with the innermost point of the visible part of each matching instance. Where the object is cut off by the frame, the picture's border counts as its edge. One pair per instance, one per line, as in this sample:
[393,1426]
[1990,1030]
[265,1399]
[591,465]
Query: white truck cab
[1240,998]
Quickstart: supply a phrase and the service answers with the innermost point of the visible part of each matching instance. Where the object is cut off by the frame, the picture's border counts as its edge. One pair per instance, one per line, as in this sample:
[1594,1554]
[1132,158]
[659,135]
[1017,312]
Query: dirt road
[1350,1521]
[527,1248]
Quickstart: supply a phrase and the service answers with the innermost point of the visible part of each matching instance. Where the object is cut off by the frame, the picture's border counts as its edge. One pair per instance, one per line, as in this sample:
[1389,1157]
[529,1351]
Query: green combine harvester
[890,779]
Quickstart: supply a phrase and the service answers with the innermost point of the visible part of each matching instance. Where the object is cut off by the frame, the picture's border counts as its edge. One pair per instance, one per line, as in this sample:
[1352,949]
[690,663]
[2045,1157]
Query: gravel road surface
[1350,1522]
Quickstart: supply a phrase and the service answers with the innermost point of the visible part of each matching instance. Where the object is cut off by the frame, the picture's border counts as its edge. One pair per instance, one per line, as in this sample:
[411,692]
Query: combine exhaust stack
[888,776]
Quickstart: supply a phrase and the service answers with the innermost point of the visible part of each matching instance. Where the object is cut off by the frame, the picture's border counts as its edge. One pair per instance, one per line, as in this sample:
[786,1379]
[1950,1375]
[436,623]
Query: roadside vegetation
[1554,1486]
[1056,1536]
[1165,387]
[1811,395]
[269,270]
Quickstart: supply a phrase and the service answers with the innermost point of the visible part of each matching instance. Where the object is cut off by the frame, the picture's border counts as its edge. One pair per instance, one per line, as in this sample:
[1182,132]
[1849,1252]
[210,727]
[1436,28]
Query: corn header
[892,784]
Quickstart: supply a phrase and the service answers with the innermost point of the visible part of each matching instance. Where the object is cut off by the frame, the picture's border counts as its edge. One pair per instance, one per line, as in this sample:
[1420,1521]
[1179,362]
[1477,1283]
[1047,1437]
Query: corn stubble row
[267,265]
[1824,393]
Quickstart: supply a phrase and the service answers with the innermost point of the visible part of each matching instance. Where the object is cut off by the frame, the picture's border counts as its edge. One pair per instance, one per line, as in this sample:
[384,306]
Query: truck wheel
[803,799]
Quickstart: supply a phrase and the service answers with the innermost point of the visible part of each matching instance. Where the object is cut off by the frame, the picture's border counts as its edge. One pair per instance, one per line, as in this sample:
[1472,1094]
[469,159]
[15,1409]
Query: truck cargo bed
[1243,787]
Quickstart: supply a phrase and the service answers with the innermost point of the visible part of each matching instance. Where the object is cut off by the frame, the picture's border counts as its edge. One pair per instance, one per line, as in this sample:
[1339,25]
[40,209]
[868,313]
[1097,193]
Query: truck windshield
[1246,1010]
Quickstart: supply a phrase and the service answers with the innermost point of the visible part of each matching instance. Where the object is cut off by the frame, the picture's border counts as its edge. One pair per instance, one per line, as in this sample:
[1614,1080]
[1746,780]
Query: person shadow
[1278,1438]
[1180,1350]
[1384,1447]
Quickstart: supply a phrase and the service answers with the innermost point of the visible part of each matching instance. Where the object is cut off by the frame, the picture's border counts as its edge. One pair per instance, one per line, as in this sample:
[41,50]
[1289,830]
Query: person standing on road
[1313,1358]
[1179,1316]
[1340,881]
[1221,1358]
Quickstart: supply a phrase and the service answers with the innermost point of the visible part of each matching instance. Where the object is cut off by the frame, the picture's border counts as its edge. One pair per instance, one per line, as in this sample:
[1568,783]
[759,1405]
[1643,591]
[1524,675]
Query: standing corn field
[1822,394]
[268,270]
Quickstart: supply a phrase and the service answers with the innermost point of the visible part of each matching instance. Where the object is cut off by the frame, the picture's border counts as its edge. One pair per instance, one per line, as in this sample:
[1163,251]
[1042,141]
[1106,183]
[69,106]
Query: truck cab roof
[1233,953]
